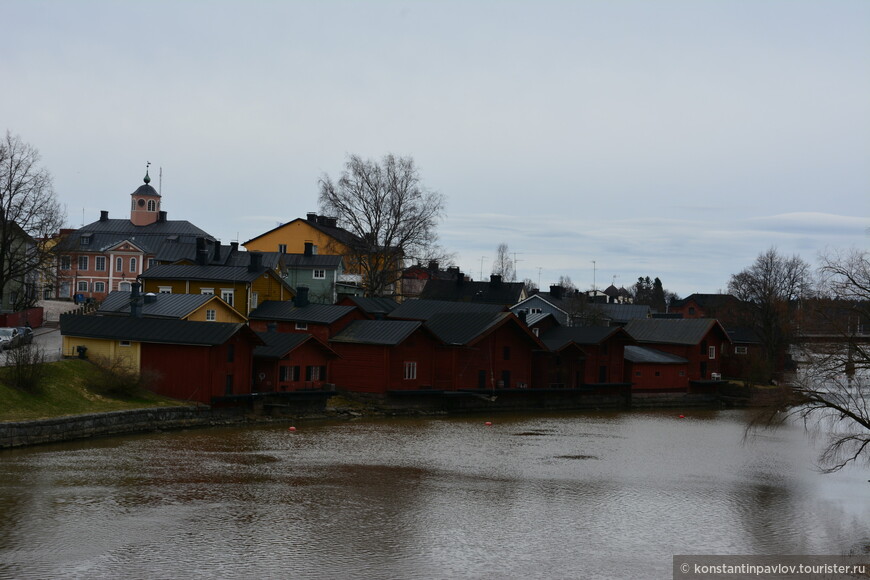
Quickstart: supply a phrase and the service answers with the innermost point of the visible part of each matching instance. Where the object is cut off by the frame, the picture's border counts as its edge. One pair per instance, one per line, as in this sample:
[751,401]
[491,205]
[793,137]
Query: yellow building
[241,287]
[195,307]
[320,232]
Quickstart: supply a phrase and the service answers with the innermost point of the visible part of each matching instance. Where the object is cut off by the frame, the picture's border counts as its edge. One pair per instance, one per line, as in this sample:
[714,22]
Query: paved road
[48,339]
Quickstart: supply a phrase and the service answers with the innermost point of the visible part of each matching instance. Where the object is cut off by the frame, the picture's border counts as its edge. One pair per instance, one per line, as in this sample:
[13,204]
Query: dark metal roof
[374,306]
[314,261]
[157,305]
[504,293]
[287,311]
[688,331]
[202,273]
[645,355]
[622,312]
[458,328]
[559,337]
[340,234]
[383,332]
[157,330]
[426,309]
[279,344]
[105,234]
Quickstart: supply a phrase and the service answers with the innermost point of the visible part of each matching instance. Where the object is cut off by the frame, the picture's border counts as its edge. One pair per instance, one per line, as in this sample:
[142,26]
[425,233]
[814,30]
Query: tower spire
[147,177]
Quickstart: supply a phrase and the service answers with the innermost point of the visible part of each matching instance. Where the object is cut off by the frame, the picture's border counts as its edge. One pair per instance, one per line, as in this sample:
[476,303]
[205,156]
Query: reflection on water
[610,495]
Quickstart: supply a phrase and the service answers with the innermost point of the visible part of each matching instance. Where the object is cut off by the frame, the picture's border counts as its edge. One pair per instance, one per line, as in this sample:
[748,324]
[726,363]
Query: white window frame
[100,263]
[711,352]
[119,265]
[209,291]
[124,343]
[152,205]
[228,295]
[132,264]
[535,310]
[210,314]
[81,286]
[301,326]
[65,263]
[83,260]
[740,350]
[254,299]
[410,370]
[319,274]
[164,289]
[99,286]
[282,248]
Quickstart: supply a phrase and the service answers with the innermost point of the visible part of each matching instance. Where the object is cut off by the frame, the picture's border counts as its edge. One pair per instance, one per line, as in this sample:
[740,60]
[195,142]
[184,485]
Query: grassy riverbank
[69,388]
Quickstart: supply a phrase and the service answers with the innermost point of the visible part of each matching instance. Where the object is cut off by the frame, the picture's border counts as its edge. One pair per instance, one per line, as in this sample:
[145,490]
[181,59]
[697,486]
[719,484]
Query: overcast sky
[676,139]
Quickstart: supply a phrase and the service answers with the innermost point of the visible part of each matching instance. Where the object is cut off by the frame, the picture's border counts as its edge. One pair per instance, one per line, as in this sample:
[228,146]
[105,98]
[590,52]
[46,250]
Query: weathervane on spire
[147,177]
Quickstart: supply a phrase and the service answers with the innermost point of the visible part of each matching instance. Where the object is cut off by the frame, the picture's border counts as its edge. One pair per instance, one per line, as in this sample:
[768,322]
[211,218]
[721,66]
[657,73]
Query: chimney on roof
[217,250]
[135,300]
[433,266]
[256,261]
[150,298]
[494,280]
[331,222]
[301,299]
[201,252]
[234,247]
[309,249]
[311,217]
[523,315]
[104,216]
[161,216]
[460,277]
[556,291]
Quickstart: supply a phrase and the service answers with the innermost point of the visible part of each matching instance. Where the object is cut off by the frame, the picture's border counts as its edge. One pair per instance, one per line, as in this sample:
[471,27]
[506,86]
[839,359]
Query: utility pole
[593,278]
[516,275]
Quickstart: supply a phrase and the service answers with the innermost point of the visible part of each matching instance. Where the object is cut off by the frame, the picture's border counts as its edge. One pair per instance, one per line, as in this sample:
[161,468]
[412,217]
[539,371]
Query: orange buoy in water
[488,423]
[291,429]
[682,416]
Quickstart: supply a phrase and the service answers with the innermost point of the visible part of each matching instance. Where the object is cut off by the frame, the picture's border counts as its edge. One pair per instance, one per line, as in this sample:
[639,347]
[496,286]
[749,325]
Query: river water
[586,495]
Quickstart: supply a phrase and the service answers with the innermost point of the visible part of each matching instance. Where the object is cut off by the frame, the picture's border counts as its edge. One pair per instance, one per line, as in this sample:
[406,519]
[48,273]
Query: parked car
[9,338]
[26,334]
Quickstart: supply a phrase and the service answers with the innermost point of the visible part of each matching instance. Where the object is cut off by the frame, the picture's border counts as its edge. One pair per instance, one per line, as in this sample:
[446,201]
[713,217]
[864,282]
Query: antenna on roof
[83,217]
[160,182]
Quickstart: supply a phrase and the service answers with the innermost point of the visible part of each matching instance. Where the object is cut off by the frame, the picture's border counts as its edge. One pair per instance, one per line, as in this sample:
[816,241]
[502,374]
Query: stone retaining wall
[19,434]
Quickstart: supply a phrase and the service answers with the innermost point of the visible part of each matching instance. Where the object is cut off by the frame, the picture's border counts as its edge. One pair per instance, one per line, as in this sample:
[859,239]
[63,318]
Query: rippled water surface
[559,496]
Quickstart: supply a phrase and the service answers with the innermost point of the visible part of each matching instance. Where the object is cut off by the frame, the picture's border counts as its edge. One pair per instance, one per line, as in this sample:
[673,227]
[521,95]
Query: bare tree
[391,214]
[29,214]
[831,389]
[771,289]
[503,265]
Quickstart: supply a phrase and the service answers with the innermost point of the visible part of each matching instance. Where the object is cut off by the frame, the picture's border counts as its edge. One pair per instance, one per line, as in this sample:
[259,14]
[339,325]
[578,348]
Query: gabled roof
[533,319]
[539,297]
[380,332]
[107,233]
[203,273]
[154,330]
[156,305]
[324,261]
[269,260]
[278,344]
[504,293]
[687,331]
[646,355]
[559,337]
[418,309]
[622,312]
[340,234]
[707,300]
[467,328]
[373,306]
[288,312]
[176,252]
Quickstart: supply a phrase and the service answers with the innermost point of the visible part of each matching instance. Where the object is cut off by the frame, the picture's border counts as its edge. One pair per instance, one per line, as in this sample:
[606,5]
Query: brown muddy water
[587,495]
